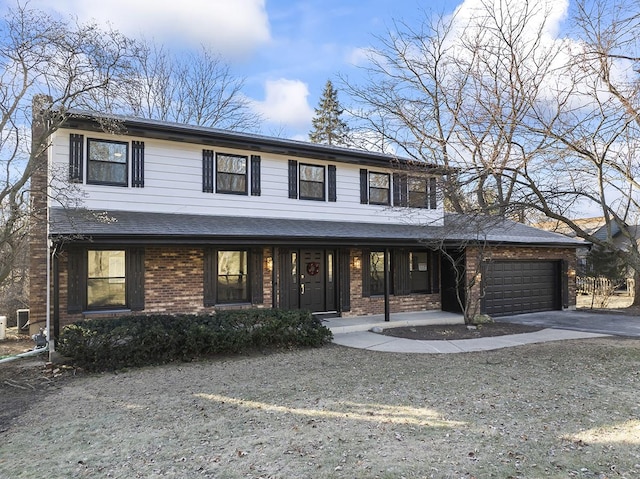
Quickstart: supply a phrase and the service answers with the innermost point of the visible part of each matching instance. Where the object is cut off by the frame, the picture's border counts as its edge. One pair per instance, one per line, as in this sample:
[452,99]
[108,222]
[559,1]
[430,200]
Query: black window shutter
[400,189]
[76,280]
[364,186]
[207,171]
[344,276]
[366,273]
[401,272]
[255,175]
[257,272]
[564,265]
[137,164]
[135,278]
[293,179]
[434,265]
[76,157]
[332,182]
[433,193]
[210,276]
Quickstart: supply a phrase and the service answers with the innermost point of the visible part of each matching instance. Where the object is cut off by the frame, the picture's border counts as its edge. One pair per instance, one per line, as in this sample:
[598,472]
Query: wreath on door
[313,268]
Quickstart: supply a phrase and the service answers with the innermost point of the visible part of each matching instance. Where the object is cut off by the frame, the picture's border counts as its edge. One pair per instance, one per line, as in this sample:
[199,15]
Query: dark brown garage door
[513,287]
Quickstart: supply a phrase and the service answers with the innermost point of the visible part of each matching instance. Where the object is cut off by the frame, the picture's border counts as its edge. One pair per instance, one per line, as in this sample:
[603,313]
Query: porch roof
[117,227]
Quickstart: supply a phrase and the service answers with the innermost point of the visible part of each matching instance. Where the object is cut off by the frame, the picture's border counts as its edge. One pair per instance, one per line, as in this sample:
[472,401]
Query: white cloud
[285,103]
[233,28]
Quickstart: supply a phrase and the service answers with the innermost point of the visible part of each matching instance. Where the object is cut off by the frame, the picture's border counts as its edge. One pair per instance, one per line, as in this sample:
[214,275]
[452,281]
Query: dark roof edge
[231,139]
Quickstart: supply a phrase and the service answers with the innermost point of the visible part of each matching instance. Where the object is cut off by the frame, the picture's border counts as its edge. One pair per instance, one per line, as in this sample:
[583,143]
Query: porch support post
[387,283]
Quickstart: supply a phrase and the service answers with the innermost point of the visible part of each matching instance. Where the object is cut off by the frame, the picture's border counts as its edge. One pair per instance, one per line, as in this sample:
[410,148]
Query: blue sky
[285,49]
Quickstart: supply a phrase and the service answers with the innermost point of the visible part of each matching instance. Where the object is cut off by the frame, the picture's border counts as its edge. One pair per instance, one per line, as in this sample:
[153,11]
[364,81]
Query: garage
[515,287]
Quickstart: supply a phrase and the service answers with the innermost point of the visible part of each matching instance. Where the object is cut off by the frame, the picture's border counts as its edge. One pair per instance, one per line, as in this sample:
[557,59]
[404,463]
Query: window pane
[107,173]
[232,164]
[232,277]
[312,173]
[229,182]
[311,190]
[379,180]
[377,272]
[107,151]
[418,272]
[107,162]
[294,267]
[378,196]
[106,279]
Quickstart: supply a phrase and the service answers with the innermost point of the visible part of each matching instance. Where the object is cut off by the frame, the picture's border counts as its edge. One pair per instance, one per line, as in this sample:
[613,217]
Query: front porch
[396,320]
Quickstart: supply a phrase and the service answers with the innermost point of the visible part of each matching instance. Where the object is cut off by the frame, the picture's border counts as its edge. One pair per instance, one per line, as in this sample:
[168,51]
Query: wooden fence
[603,287]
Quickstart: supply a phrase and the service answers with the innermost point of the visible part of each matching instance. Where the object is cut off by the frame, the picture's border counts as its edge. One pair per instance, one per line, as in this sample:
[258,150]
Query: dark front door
[313,273]
[452,281]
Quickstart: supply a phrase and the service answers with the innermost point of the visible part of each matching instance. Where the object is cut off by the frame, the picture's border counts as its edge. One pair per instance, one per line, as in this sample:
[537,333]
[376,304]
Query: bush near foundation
[133,341]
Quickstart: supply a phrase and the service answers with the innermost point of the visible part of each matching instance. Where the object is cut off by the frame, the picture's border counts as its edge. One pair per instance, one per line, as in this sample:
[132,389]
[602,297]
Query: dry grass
[561,409]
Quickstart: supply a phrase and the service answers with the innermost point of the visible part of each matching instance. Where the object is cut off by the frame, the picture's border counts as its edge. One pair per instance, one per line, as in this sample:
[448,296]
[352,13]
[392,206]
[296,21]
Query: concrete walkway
[356,333]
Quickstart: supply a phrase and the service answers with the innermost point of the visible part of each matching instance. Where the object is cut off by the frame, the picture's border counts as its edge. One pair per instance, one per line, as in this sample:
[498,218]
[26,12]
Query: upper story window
[307,182]
[231,174]
[379,188]
[417,192]
[312,182]
[107,162]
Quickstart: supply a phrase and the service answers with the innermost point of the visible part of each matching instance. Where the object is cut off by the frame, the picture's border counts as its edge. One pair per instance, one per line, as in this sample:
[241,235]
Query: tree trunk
[636,289]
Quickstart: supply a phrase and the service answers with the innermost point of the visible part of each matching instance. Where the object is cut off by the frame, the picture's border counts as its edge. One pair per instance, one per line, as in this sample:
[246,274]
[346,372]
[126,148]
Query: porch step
[396,320]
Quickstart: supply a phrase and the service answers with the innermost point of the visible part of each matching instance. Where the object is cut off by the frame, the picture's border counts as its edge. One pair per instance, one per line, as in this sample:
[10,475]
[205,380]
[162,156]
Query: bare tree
[455,92]
[50,66]
[196,88]
[532,125]
[590,128]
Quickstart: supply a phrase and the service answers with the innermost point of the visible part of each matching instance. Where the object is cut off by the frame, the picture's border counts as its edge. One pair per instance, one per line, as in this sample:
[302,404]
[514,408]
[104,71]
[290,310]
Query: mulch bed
[458,331]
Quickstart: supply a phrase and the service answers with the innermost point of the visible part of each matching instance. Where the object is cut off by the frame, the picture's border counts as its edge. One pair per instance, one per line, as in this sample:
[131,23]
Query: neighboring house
[184,219]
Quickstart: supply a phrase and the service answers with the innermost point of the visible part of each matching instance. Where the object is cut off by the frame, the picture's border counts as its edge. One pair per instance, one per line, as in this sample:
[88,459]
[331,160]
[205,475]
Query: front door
[313,274]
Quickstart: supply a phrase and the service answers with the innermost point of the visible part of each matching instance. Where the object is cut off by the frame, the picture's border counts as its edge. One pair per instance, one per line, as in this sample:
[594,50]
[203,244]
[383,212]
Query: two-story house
[175,218]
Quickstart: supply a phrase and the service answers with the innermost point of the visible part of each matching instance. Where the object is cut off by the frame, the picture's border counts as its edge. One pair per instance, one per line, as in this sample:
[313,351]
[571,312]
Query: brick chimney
[38,244]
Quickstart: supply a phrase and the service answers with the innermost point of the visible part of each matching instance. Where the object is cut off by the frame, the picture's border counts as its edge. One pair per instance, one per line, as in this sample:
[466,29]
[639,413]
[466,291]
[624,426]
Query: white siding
[173,184]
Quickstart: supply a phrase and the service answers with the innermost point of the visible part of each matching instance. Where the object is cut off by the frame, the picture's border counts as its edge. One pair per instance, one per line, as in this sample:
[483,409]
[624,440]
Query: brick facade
[174,283]
[475,255]
[361,305]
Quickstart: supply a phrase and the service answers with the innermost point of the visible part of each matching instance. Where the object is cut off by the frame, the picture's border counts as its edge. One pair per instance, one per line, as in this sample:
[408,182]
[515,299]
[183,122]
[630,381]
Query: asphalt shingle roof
[142,227]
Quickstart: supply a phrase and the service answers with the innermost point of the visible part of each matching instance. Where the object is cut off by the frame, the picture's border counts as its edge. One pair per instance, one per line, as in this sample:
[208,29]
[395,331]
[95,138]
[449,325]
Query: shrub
[132,341]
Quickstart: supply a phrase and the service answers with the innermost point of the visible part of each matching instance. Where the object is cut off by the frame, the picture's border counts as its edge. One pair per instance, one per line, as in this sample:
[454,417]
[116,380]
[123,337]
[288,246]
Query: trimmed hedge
[133,341]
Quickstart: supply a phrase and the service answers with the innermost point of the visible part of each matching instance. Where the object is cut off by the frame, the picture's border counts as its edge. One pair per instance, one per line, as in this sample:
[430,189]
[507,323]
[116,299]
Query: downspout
[50,340]
[56,292]
[35,352]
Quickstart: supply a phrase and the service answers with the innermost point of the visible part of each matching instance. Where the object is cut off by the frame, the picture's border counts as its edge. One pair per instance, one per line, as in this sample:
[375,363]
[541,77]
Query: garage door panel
[513,287]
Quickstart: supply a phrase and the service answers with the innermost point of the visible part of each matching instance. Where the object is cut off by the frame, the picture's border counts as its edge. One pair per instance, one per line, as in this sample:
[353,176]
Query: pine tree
[328,127]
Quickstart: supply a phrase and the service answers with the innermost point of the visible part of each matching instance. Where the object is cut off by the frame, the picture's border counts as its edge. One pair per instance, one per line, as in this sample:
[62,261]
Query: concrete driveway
[605,323]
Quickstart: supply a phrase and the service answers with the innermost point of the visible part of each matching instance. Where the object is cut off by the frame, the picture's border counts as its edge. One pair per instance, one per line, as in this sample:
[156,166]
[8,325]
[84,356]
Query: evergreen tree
[328,127]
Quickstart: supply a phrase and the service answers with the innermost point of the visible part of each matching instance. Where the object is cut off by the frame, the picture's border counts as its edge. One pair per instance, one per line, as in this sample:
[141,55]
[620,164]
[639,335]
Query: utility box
[22,316]
[3,327]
